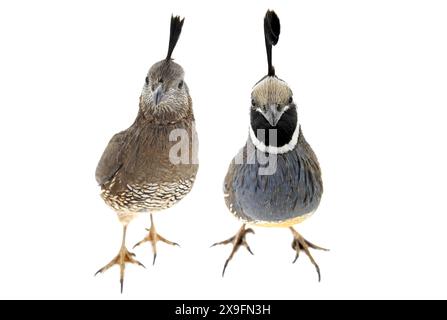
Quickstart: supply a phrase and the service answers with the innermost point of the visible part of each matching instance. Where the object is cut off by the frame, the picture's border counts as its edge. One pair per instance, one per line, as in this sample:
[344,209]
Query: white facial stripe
[287,107]
[275,150]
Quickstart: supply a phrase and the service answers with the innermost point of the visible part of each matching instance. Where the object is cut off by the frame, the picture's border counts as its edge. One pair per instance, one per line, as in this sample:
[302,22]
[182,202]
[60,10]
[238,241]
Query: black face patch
[284,128]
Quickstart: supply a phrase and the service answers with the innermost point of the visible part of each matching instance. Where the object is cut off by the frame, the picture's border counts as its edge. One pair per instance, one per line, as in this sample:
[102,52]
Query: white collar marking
[275,150]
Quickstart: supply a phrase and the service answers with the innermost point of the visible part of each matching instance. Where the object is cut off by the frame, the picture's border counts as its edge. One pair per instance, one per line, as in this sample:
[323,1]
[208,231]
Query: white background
[370,80]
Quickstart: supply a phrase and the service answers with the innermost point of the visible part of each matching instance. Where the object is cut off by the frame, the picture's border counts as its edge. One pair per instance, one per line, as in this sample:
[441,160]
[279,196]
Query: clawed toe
[300,244]
[121,259]
[153,237]
[237,241]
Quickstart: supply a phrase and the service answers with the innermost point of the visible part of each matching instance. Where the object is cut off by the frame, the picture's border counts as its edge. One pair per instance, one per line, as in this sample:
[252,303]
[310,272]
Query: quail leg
[301,244]
[123,257]
[153,237]
[237,241]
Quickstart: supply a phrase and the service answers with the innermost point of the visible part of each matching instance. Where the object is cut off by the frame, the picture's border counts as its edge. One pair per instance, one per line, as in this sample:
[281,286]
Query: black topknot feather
[272,28]
[176,29]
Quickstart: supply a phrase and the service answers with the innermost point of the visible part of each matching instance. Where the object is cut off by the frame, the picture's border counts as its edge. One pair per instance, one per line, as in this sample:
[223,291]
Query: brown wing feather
[111,160]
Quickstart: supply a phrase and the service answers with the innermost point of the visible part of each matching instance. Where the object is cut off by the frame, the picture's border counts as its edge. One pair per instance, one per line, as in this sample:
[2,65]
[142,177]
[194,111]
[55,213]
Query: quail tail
[123,257]
[301,244]
[153,237]
[237,240]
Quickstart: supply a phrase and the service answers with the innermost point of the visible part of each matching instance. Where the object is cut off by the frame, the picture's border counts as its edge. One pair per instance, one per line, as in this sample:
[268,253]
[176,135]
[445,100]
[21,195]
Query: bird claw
[301,244]
[123,257]
[153,237]
[237,240]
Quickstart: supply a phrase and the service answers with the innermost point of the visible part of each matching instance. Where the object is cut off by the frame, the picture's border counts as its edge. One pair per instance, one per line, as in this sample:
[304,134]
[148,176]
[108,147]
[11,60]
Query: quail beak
[273,115]
[158,94]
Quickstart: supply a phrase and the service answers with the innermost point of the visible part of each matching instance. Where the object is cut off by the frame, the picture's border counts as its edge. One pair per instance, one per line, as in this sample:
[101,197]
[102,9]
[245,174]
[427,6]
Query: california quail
[275,180]
[140,170]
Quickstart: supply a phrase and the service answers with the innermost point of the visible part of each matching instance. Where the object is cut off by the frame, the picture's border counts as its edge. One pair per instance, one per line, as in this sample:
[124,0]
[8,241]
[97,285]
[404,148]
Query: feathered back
[272,29]
[176,29]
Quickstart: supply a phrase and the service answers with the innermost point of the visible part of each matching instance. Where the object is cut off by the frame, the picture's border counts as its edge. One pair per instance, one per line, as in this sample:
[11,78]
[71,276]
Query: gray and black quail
[275,180]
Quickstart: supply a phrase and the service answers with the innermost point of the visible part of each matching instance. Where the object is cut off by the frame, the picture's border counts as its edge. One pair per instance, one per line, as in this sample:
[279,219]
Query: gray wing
[228,185]
[111,160]
[228,188]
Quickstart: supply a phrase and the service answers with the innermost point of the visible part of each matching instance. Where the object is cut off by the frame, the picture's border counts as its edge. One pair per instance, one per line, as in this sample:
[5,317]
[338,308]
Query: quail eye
[290,100]
[180,85]
[147,80]
[253,102]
